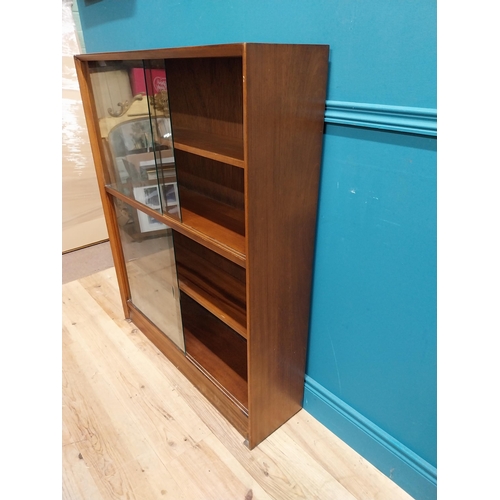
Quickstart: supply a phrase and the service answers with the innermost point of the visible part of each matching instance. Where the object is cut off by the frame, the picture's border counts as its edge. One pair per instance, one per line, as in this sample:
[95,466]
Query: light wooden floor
[135,428]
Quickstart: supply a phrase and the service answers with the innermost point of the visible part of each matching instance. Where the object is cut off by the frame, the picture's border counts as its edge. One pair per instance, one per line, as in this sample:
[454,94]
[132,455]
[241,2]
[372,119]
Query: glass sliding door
[151,270]
[133,116]
[134,122]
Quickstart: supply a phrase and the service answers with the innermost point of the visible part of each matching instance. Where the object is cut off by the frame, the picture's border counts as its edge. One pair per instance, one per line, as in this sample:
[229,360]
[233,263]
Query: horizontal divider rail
[196,230]
[216,147]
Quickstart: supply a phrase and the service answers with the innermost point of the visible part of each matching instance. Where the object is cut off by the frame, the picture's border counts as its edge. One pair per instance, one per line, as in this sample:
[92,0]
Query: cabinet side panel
[285,99]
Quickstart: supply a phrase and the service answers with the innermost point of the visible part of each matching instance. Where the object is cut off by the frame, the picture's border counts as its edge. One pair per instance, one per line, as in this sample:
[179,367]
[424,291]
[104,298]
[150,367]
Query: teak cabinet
[208,162]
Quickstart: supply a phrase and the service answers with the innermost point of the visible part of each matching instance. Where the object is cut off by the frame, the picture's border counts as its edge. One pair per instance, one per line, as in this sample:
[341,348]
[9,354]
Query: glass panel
[150,261]
[134,121]
[156,88]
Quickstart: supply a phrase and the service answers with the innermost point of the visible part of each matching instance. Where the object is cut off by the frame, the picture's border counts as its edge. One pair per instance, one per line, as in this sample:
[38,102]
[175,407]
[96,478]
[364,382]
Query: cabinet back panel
[219,181]
[186,246]
[216,348]
[207,95]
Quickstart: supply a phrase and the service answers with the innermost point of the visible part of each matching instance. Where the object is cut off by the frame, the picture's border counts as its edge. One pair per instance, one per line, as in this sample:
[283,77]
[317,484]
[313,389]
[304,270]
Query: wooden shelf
[201,236]
[216,220]
[226,312]
[215,283]
[216,147]
[217,350]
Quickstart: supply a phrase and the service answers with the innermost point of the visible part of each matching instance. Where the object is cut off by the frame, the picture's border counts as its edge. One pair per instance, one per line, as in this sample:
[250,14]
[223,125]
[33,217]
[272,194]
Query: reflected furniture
[208,161]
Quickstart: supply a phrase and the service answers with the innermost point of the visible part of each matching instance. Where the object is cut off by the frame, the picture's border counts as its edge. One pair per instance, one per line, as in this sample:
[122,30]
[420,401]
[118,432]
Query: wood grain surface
[135,428]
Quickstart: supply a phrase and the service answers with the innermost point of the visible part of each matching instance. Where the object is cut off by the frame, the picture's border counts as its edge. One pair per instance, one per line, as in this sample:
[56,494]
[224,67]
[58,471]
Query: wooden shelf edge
[224,223]
[193,225]
[216,50]
[227,150]
[193,291]
[191,232]
[213,155]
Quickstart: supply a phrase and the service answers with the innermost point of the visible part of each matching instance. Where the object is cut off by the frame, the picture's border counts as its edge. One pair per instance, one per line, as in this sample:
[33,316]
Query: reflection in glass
[156,88]
[134,120]
[150,261]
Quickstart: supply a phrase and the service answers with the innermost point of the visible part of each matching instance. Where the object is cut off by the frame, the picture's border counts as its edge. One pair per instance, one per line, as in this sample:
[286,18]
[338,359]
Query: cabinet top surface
[221,50]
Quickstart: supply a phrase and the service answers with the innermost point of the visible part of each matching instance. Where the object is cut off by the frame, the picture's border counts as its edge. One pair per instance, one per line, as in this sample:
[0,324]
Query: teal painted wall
[381,52]
[373,320]
[371,373]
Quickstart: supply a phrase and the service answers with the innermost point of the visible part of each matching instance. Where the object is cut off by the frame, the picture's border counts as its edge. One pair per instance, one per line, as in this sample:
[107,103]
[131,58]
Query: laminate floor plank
[110,437]
[340,460]
[135,428]
[103,288]
[207,475]
[253,489]
[285,458]
[101,447]
[130,461]
[77,481]
[274,472]
[146,393]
